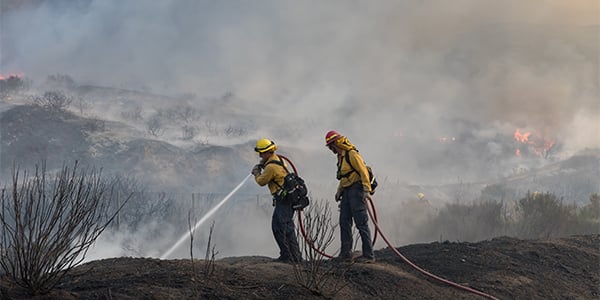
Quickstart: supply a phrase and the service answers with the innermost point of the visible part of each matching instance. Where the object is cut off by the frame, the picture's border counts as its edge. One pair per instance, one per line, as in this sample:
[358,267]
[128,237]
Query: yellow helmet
[265,145]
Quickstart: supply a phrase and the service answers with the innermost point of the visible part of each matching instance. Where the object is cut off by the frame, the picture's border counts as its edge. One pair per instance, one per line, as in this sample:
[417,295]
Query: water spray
[206,216]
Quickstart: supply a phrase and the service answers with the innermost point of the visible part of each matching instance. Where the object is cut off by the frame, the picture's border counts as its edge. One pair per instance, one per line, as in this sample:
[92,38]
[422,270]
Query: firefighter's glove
[338,196]
[256,170]
[366,196]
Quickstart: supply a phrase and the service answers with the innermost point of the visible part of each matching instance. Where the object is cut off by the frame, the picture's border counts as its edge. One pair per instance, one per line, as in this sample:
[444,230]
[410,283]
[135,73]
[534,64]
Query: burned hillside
[505,268]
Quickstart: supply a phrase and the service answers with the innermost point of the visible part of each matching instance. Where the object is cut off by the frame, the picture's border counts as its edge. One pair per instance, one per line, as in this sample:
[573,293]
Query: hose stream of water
[209,214]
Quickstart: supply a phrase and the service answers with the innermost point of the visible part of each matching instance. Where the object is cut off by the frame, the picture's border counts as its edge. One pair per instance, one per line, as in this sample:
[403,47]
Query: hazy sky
[389,74]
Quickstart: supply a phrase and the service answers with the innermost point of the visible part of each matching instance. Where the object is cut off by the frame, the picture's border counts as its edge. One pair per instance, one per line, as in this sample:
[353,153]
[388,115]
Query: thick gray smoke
[430,91]
[395,76]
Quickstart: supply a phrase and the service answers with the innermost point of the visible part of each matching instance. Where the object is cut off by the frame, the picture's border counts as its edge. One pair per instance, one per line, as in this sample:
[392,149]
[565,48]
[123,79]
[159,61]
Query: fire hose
[373,215]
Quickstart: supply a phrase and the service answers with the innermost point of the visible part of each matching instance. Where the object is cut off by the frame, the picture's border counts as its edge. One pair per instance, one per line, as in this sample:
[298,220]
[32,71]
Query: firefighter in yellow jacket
[282,223]
[353,191]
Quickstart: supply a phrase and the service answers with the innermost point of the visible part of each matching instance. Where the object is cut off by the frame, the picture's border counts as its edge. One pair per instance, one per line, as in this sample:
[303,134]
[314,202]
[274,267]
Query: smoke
[410,67]
[396,77]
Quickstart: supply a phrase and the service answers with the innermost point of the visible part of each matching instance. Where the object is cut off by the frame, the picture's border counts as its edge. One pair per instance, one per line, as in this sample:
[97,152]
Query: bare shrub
[155,126]
[133,114]
[467,222]
[47,226]
[315,273]
[55,101]
[191,232]
[11,85]
[209,257]
[83,105]
[143,207]
[232,130]
[543,215]
[188,132]
[95,124]
[589,216]
[208,266]
[182,113]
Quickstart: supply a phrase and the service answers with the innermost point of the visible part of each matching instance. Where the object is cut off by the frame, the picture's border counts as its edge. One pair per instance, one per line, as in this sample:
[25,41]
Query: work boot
[364,260]
[288,260]
[283,259]
[343,258]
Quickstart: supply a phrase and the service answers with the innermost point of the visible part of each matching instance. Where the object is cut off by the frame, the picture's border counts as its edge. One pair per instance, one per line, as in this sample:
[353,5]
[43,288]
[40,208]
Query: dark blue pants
[352,207]
[284,232]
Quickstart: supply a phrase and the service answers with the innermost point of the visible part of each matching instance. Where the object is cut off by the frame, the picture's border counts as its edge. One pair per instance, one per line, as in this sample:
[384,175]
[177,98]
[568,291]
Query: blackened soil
[504,268]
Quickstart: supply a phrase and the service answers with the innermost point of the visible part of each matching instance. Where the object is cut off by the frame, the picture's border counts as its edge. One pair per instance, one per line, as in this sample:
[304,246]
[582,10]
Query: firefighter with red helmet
[353,191]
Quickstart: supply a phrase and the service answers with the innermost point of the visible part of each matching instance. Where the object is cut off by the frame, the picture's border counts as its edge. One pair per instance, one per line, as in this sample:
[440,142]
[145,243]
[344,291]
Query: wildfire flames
[535,143]
[7,76]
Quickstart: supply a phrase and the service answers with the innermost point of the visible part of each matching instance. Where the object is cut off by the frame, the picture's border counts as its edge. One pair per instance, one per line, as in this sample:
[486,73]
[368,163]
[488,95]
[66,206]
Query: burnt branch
[47,226]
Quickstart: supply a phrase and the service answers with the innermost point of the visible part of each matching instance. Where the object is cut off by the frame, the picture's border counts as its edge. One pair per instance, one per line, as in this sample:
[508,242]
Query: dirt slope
[506,268]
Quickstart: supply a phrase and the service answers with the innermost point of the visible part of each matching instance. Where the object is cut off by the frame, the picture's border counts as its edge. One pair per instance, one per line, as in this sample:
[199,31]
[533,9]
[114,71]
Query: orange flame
[7,76]
[522,137]
[446,139]
[536,143]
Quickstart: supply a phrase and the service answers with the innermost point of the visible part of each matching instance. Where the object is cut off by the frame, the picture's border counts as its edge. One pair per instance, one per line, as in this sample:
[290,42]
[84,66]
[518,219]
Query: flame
[522,137]
[446,139]
[536,143]
[7,76]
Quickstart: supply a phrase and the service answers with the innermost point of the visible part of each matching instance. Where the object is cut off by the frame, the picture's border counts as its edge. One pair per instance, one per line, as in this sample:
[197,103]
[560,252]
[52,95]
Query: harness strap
[280,163]
[347,155]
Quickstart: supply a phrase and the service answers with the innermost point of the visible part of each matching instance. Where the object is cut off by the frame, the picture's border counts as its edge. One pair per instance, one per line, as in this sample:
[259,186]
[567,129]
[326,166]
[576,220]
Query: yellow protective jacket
[272,173]
[360,175]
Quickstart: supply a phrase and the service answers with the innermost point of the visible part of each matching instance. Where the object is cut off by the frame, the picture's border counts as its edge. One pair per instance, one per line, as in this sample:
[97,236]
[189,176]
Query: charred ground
[504,267]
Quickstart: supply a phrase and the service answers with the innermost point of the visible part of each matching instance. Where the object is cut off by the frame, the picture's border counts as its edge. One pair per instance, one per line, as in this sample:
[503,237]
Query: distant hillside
[31,134]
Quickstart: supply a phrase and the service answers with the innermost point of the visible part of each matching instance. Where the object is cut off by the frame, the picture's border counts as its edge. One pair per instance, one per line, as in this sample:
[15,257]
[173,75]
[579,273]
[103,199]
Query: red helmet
[331,137]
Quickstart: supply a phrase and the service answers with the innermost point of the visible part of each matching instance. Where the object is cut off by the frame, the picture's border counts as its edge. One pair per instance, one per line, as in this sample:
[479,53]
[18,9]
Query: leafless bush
[588,216]
[591,211]
[55,101]
[11,85]
[315,273]
[208,267]
[95,124]
[209,257]
[211,127]
[188,132]
[47,225]
[234,131]
[83,105]
[191,232]
[155,126]
[467,222]
[142,207]
[543,215]
[183,113]
[133,114]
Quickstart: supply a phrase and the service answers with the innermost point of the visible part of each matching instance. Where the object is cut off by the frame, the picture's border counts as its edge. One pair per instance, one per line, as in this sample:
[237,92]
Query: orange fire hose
[373,214]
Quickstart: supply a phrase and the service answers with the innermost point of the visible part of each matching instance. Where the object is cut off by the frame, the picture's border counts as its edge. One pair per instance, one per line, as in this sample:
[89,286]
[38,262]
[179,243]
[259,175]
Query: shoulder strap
[347,156]
[280,163]
[348,159]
